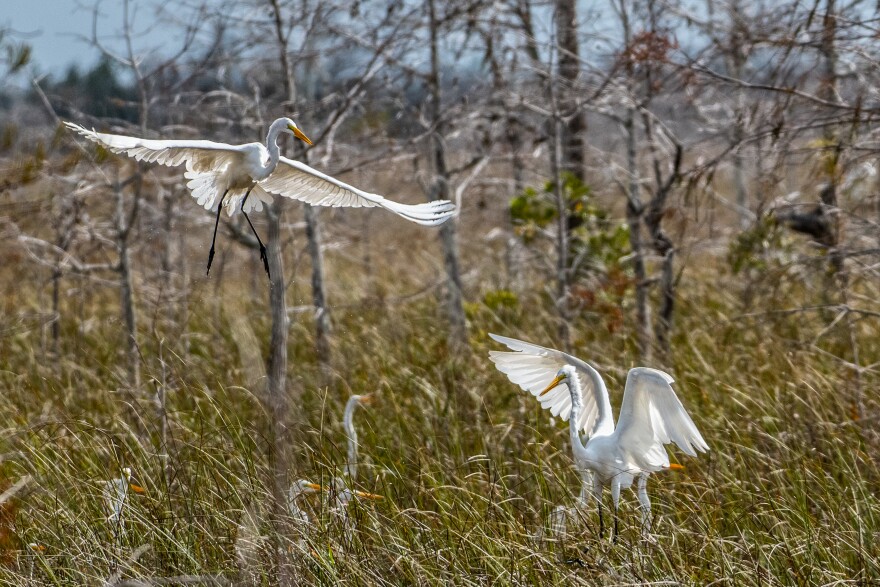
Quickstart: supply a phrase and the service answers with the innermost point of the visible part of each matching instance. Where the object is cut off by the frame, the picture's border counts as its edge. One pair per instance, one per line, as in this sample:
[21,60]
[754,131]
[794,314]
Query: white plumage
[244,177]
[115,494]
[651,416]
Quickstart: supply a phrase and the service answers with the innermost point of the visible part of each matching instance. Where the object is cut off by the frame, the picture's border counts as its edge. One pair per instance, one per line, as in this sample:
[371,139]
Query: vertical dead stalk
[440,190]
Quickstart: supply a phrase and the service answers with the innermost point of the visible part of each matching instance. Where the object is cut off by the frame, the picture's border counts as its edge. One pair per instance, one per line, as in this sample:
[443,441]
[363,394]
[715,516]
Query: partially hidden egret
[350,432]
[244,177]
[651,416]
[115,494]
[342,493]
[301,487]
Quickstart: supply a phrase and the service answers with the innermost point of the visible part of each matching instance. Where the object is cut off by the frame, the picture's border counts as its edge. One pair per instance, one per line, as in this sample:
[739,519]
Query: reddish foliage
[649,47]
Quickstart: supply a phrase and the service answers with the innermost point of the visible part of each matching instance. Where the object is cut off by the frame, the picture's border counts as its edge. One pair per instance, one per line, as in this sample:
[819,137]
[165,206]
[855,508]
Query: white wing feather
[651,415]
[296,180]
[533,367]
[202,156]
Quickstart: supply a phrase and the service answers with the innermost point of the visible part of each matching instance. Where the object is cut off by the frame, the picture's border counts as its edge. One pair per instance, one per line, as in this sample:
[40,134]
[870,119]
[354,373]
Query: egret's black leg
[214,238]
[263,256]
[614,537]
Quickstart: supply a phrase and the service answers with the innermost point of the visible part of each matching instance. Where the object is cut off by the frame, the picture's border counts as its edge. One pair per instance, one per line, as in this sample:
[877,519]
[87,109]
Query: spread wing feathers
[207,186]
[296,180]
[198,155]
[651,415]
[533,367]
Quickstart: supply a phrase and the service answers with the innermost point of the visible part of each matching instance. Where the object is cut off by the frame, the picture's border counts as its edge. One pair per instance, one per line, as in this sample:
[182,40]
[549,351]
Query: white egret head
[291,127]
[127,476]
[564,375]
[306,486]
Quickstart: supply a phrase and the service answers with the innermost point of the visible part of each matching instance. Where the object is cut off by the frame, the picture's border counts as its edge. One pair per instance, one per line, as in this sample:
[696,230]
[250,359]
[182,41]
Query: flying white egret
[351,434]
[115,493]
[651,415]
[226,175]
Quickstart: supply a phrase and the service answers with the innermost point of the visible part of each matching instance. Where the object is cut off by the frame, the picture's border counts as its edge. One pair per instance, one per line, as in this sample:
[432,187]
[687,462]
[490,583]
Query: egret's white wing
[651,415]
[533,367]
[296,180]
[198,155]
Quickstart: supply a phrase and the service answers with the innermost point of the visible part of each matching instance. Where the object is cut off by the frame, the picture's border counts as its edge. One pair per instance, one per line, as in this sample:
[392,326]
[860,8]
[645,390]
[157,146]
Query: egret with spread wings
[244,177]
[651,416]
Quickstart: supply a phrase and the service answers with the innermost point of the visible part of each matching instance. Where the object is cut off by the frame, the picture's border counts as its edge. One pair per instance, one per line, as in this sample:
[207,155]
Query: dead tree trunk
[737,59]
[557,149]
[568,51]
[634,212]
[440,190]
[279,398]
[635,209]
[319,299]
[124,222]
[828,91]
[661,242]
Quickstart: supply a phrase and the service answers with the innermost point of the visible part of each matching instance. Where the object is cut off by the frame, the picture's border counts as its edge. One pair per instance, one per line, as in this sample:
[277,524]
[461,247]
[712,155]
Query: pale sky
[54,29]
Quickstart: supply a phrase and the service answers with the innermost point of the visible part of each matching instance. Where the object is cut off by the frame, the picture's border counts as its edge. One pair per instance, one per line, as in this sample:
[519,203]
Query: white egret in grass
[651,416]
[350,432]
[244,177]
[342,493]
[298,489]
[116,493]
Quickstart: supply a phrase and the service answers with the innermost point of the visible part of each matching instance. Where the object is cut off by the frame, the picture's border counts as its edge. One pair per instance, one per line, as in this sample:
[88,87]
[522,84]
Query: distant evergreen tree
[99,92]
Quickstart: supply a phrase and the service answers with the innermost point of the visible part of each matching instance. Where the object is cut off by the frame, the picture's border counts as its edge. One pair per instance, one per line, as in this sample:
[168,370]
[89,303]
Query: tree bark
[439,190]
[280,458]
[828,91]
[635,210]
[737,62]
[569,66]
[124,223]
[557,149]
[322,316]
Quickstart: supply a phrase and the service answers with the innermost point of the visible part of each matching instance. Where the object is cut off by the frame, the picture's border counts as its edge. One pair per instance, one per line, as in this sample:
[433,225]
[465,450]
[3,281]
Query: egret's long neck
[275,131]
[577,405]
[351,433]
[605,419]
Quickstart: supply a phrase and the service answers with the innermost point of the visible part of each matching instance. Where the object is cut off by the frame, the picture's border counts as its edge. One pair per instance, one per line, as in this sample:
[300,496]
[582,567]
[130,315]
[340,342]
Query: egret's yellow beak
[676,467]
[299,134]
[368,399]
[366,495]
[136,488]
[314,486]
[556,381]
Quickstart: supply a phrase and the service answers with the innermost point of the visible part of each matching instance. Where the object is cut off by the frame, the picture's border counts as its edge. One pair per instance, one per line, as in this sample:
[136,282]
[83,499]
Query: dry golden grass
[469,466]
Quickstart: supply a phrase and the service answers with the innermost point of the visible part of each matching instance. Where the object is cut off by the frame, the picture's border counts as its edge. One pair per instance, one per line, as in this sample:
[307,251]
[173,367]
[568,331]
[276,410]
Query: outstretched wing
[651,415]
[200,156]
[533,367]
[296,180]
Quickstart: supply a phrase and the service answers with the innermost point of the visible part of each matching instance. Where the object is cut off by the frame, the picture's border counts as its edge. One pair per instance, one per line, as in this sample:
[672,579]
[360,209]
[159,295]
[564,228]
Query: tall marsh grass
[470,467]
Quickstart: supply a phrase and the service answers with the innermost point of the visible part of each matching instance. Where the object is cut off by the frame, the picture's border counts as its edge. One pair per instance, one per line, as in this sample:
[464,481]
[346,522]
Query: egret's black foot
[574,561]
[210,260]
[264,257]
